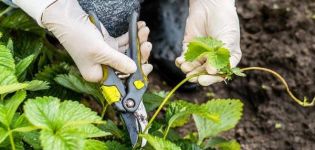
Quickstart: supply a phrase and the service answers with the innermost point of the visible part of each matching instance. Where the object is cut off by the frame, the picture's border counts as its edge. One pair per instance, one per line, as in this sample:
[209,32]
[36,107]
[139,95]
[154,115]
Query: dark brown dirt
[277,34]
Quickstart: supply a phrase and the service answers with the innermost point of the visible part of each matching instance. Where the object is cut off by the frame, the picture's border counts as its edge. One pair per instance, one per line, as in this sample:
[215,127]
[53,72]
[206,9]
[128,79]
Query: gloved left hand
[211,18]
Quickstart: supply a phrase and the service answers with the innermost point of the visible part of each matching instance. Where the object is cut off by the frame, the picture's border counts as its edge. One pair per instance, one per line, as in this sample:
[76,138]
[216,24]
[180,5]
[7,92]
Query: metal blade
[132,127]
[141,115]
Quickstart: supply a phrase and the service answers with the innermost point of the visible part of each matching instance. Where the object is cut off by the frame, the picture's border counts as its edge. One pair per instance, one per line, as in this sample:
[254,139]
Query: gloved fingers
[147,69]
[186,66]
[123,48]
[190,66]
[143,34]
[210,69]
[115,59]
[206,80]
[179,61]
[123,40]
[105,32]
[141,24]
[91,72]
[109,39]
[196,71]
[145,49]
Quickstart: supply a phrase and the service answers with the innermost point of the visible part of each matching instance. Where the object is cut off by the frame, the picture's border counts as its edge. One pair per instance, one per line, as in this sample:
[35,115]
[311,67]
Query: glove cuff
[34,8]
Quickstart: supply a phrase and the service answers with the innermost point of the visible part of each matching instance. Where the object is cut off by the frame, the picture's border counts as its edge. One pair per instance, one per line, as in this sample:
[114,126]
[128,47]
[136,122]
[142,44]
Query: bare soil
[280,35]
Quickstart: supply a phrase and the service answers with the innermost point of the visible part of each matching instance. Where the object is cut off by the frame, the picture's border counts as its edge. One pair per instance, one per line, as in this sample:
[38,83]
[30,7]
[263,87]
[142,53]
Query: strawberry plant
[218,57]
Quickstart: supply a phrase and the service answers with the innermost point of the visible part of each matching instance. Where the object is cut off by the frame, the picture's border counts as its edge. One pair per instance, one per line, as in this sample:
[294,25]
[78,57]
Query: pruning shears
[126,96]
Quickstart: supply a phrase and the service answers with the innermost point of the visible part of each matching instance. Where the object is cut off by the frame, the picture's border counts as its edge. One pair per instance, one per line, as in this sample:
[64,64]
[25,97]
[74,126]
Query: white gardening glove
[211,18]
[83,41]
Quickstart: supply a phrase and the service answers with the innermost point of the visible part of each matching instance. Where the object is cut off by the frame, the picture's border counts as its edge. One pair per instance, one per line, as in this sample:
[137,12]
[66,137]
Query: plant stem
[11,139]
[6,11]
[303,103]
[104,110]
[1,97]
[166,131]
[167,98]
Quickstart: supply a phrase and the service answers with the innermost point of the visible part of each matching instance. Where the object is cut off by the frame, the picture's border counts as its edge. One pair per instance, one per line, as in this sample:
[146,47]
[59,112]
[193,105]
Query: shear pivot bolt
[130,103]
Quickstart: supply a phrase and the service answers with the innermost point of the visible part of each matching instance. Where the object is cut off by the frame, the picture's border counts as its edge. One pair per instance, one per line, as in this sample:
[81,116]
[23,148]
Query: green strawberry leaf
[223,144]
[3,134]
[4,89]
[12,104]
[49,112]
[23,65]
[98,145]
[6,59]
[67,139]
[200,46]
[43,112]
[159,143]
[230,112]
[216,55]
[8,110]
[91,131]
[48,74]
[238,72]
[7,77]
[112,128]
[76,83]
[178,113]
[37,85]
[95,145]
[212,49]
[188,145]
[219,58]
[3,115]
[64,125]
[113,145]
[7,67]
[32,138]
[152,101]
[19,20]
[230,145]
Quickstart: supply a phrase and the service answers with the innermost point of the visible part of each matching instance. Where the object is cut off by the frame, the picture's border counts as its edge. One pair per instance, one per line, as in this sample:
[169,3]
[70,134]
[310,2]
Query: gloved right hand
[85,43]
